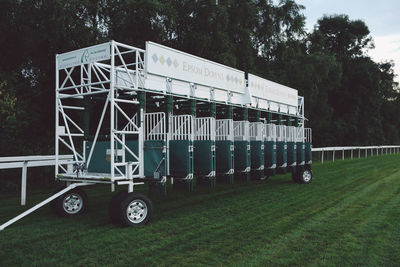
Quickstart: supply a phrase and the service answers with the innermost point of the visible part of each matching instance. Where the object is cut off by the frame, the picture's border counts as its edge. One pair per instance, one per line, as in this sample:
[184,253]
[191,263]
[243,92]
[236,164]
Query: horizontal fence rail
[31,161]
[329,153]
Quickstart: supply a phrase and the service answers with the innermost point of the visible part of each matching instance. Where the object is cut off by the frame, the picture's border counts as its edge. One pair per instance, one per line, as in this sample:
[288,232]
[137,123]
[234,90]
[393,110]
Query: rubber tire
[57,204]
[113,210]
[123,205]
[301,179]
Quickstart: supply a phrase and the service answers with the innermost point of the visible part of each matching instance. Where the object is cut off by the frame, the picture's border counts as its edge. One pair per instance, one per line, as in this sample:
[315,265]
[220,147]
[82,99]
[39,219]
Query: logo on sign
[85,56]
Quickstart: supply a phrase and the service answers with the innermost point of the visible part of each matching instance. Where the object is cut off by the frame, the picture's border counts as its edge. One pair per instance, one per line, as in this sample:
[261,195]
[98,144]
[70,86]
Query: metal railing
[32,161]
[329,153]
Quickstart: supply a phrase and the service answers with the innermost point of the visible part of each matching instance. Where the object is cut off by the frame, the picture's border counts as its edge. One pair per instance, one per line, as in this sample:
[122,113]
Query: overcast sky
[382,18]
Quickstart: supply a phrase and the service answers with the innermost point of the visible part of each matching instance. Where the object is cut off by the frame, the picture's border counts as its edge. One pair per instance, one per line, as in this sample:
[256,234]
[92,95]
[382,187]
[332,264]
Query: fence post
[359,153]
[23,183]
[333,155]
[343,154]
[351,151]
[322,156]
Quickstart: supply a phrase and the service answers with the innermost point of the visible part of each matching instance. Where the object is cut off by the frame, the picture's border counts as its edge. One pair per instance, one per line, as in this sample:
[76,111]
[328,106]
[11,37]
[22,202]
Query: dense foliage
[350,99]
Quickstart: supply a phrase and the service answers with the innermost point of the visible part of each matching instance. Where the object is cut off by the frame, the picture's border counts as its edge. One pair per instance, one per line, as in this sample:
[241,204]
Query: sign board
[265,89]
[84,56]
[171,63]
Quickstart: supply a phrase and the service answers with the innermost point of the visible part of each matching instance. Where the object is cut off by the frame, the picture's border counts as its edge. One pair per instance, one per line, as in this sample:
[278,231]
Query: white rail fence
[24,162]
[329,153]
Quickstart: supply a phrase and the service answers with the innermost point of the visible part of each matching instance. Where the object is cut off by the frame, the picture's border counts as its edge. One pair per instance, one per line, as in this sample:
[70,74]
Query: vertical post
[351,151]
[343,154]
[333,155]
[112,115]
[366,152]
[322,156]
[23,183]
[359,153]
[57,120]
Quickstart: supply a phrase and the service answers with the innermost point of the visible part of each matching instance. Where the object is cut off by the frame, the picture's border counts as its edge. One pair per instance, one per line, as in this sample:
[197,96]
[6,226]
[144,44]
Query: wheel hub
[72,203]
[306,176]
[136,211]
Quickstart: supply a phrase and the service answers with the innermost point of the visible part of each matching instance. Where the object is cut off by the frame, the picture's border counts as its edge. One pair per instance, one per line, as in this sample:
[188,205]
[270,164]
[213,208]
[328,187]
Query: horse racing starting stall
[181,162]
[257,133]
[159,116]
[242,155]
[281,149]
[270,150]
[204,150]
[224,149]
[291,149]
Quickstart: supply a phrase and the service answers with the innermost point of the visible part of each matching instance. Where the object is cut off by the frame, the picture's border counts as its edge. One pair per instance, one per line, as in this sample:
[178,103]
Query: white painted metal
[41,204]
[308,135]
[270,91]
[355,148]
[291,134]
[299,137]
[270,132]
[224,130]
[182,127]
[32,161]
[241,130]
[257,131]
[281,133]
[204,128]
[117,71]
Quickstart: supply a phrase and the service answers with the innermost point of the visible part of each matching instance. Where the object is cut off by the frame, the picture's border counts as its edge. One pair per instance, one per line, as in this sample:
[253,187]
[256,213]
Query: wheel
[305,177]
[72,203]
[134,209]
[114,204]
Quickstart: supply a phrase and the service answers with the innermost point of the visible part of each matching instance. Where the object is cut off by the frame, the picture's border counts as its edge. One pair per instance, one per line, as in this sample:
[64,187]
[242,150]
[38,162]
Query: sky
[382,18]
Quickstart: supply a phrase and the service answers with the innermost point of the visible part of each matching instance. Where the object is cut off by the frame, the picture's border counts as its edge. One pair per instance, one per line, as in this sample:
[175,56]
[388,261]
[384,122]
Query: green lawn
[349,215]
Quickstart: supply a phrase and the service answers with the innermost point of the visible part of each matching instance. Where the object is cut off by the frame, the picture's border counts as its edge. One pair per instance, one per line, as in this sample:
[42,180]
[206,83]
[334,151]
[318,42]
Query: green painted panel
[98,162]
[224,156]
[204,157]
[257,154]
[242,156]
[301,147]
[153,155]
[291,153]
[281,153]
[308,153]
[270,158]
[180,161]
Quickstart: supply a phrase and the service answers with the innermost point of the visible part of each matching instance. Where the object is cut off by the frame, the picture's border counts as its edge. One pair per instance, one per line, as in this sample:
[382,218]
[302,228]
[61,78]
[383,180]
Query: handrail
[32,161]
[384,149]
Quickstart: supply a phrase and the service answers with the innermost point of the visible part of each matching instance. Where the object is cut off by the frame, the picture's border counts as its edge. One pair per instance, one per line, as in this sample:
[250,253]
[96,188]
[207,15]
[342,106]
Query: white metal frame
[182,127]
[204,128]
[270,132]
[241,130]
[257,131]
[281,133]
[118,78]
[224,130]
[291,134]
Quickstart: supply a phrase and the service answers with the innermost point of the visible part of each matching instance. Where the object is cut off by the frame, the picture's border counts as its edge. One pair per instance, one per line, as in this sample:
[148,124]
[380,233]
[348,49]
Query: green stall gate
[308,147]
[257,132]
[154,148]
[291,149]
[281,149]
[270,150]
[181,163]
[242,149]
[301,149]
[204,150]
[224,149]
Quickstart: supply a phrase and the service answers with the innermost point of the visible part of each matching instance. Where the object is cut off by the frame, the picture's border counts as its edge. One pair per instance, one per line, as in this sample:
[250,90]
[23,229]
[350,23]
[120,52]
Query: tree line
[349,98]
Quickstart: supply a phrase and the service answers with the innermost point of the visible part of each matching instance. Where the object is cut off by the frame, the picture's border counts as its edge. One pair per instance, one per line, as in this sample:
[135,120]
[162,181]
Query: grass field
[349,215]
